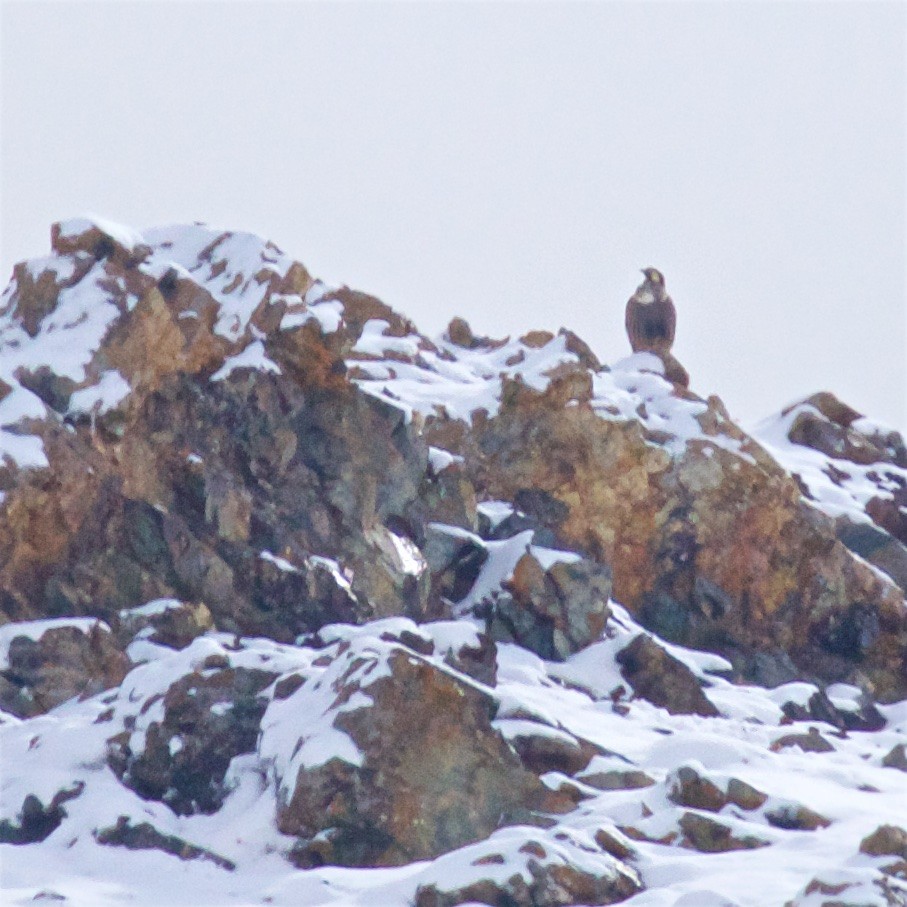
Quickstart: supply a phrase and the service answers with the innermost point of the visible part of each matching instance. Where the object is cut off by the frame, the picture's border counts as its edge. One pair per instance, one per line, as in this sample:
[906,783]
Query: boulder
[710,836]
[53,661]
[660,678]
[687,787]
[208,717]
[403,765]
[886,841]
[555,609]
[550,869]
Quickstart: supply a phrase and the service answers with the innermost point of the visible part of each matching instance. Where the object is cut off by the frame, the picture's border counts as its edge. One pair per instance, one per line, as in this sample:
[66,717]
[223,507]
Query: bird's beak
[643,272]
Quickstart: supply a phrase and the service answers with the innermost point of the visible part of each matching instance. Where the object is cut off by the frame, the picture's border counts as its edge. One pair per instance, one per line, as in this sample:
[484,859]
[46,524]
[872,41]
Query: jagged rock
[554,611]
[820,708]
[37,821]
[447,777]
[876,545]
[826,424]
[696,532]
[62,662]
[145,836]
[208,718]
[276,458]
[662,679]
[167,622]
[709,836]
[478,660]
[454,560]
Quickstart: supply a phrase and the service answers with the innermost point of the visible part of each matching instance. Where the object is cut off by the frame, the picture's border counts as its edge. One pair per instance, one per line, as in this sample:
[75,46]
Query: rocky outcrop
[49,662]
[447,777]
[209,717]
[852,467]
[284,581]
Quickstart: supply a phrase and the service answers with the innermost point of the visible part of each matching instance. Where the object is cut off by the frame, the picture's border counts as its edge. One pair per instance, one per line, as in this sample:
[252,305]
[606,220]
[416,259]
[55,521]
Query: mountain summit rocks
[281,560]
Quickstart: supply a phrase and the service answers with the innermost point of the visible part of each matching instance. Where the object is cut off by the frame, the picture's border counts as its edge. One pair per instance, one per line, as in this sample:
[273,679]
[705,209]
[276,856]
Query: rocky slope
[304,607]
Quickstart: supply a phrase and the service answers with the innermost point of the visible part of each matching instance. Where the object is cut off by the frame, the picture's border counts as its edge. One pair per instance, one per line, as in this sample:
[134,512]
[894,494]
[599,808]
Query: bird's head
[654,276]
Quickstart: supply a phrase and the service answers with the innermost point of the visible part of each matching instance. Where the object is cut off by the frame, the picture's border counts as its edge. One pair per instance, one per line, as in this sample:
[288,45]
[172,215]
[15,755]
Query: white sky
[515,164]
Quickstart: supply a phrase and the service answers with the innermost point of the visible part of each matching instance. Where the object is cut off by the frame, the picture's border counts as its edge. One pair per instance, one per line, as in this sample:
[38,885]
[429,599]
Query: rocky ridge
[288,586]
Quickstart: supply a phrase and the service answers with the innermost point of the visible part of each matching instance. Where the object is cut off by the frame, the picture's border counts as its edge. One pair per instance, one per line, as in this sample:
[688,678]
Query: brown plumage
[651,317]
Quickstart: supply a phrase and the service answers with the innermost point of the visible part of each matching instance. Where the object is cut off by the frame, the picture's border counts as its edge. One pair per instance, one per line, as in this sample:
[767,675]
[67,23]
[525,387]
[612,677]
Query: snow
[152,608]
[439,459]
[253,356]
[497,569]
[125,236]
[460,382]
[409,557]
[328,314]
[854,484]
[111,389]
[373,341]
[569,701]
[584,698]
[278,562]
[496,511]
[341,576]
[234,267]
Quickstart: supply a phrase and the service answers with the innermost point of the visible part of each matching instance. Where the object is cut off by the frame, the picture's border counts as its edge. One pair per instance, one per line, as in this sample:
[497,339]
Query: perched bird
[651,318]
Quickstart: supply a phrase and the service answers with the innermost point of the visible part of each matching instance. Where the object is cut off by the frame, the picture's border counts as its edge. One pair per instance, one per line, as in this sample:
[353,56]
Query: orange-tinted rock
[711,548]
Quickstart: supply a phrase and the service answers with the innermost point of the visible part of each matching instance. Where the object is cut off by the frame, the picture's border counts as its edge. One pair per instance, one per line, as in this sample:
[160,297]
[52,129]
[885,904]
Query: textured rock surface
[62,662]
[422,772]
[391,620]
[663,680]
[208,718]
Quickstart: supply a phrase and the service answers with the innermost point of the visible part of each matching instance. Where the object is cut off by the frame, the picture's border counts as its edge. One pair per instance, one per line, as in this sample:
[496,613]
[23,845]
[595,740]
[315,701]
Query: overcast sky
[515,164]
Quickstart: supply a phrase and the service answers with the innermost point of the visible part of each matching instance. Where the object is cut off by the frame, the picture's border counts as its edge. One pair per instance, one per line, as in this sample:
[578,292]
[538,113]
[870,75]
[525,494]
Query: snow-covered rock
[302,607]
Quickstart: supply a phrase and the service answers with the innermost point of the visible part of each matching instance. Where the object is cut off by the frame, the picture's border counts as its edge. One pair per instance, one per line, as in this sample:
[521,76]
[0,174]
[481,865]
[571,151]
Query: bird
[651,317]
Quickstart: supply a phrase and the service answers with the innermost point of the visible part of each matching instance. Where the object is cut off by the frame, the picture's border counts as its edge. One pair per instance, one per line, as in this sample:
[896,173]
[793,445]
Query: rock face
[445,777]
[284,583]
